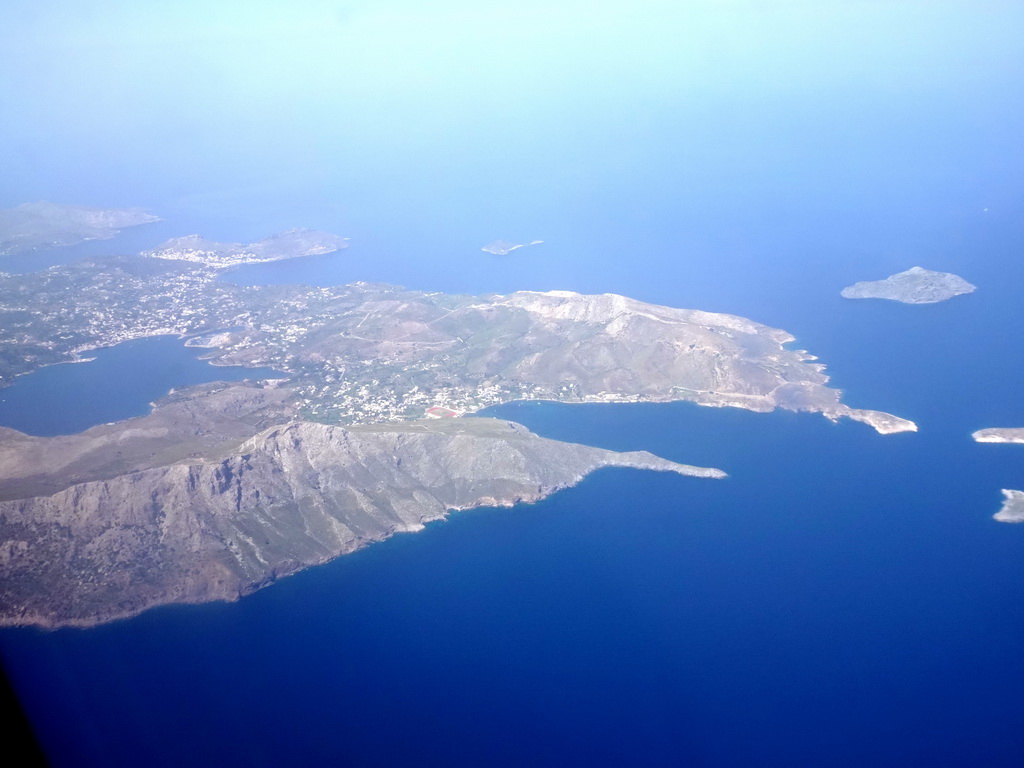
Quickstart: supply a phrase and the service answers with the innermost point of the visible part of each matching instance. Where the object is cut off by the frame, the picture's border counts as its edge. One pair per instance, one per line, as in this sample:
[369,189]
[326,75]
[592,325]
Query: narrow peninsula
[220,527]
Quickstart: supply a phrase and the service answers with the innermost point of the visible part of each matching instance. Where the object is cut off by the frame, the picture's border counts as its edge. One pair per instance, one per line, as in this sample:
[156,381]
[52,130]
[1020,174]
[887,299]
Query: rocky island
[915,286]
[999,435]
[1012,510]
[504,247]
[31,226]
[225,487]
[289,244]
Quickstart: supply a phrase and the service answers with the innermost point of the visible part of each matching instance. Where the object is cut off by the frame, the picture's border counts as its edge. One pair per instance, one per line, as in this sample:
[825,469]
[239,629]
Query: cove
[120,383]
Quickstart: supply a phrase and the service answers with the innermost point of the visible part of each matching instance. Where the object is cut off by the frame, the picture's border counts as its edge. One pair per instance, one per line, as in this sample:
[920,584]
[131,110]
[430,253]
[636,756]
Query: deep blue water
[119,383]
[842,599]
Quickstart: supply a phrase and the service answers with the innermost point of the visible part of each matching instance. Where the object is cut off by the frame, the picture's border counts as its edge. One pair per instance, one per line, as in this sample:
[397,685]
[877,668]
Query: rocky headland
[218,528]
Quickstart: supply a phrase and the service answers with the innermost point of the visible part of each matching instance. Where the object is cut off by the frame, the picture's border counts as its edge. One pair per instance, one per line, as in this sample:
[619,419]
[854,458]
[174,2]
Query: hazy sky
[125,92]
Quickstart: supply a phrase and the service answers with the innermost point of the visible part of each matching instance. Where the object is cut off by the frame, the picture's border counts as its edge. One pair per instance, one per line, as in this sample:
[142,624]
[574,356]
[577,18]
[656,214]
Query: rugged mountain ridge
[364,353]
[209,419]
[292,497]
[999,435]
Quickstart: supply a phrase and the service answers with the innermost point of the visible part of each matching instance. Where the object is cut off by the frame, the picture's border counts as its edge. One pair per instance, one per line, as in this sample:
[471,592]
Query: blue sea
[842,599]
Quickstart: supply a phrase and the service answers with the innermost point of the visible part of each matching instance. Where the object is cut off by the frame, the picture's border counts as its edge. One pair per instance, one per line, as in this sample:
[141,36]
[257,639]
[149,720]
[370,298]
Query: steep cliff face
[292,497]
[204,420]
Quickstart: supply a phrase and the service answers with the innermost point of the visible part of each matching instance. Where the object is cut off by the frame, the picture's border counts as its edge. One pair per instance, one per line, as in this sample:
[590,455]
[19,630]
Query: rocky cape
[291,497]
[915,286]
[31,226]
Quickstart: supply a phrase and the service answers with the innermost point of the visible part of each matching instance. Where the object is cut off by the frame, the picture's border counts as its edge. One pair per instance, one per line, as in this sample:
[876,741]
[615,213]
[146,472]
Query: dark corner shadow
[19,738]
